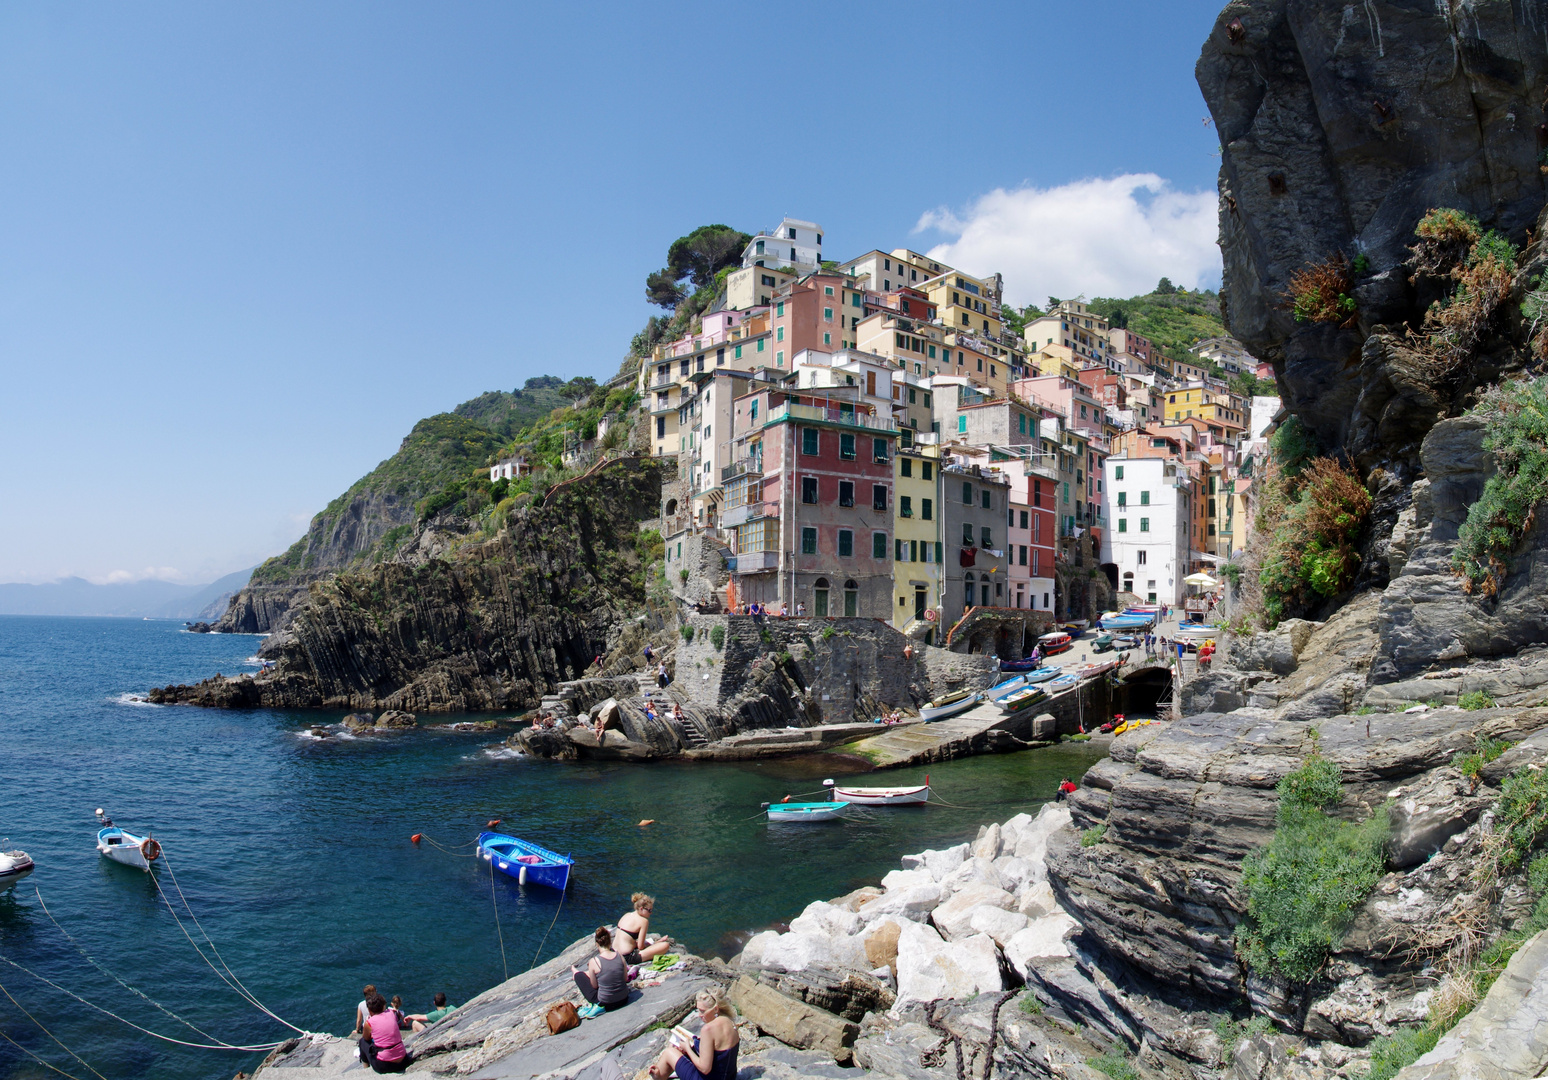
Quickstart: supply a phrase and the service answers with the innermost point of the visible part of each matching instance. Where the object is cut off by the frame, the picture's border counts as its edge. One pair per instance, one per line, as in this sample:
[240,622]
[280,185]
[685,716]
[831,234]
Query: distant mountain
[139,599]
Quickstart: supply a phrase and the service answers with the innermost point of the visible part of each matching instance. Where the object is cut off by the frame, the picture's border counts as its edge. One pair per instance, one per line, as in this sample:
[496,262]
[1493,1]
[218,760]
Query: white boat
[1009,686]
[1028,695]
[125,847]
[882,796]
[807,811]
[14,865]
[950,705]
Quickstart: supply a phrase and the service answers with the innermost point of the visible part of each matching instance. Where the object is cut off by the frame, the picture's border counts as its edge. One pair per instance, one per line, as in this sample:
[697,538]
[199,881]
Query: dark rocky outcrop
[493,627]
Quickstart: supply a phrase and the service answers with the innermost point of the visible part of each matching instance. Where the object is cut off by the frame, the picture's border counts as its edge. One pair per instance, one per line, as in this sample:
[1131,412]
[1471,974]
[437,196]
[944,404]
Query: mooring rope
[51,1035]
[562,894]
[115,978]
[130,1023]
[496,903]
[450,851]
[35,1057]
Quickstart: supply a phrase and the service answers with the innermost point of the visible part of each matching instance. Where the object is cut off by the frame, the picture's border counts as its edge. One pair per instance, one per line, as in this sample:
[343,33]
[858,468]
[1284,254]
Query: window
[1144,524]
[1140,557]
[1211,530]
[927,405]
[820,598]
[752,412]
[905,467]
[1123,525]
[967,493]
[808,489]
[1117,472]
[926,509]
[851,599]
[738,352]
[808,541]
[879,545]
[927,468]
[846,543]
[985,495]
[827,339]
[761,343]
[1212,508]
[879,451]
[1021,422]
[660,427]
[1023,553]
[854,299]
[1037,493]
[878,496]
[961,425]
[768,280]
[809,441]
[847,447]
[1023,519]
[905,506]
[846,493]
[940,552]
[827,290]
[1144,498]
[1123,498]
[779,358]
[986,537]
[827,312]
[967,534]
[899,553]
[779,309]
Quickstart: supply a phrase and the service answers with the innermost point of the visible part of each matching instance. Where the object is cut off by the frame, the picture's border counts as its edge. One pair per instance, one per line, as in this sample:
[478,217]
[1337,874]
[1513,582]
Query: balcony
[754,562]
[846,418]
[1038,468]
[740,515]
[745,467]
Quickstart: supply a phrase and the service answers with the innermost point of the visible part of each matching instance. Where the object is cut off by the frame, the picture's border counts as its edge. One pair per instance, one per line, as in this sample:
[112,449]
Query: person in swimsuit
[632,929]
[605,981]
[713,1053]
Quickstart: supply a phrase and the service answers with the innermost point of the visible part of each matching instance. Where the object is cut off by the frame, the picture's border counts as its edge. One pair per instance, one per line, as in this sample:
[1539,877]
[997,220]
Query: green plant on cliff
[718,636]
[1453,245]
[1520,820]
[1115,1064]
[1320,292]
[1478,699]
[1516,434]
[1305,886]
[687,632]
[1093,836]
[1313,518]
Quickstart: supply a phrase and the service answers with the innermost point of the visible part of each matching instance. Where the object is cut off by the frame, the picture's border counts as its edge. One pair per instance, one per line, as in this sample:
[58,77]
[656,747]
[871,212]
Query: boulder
[1032,843]
[797,951]
[1037,900]
[1010,832]
[987,846]
[853,901]
[905,879]
[846,994]
[1427,814]
[974,871]
[914,903]
[998,923]
[1040,940]
[929,968]
[1277,650]
[792,1022]
[1014,872]
[359,721]
[393,718]
[954,917]
[881,944]
[753,952]
[609,712]
[942,864]
[826,920]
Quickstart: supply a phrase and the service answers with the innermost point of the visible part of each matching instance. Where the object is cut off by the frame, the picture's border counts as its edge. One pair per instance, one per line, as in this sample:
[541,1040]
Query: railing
[749,466]
[740,515]
[754,562]
[830,416]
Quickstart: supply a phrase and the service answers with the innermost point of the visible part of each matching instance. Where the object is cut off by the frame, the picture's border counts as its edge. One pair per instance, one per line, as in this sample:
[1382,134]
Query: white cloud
[1112,237]
[150,573]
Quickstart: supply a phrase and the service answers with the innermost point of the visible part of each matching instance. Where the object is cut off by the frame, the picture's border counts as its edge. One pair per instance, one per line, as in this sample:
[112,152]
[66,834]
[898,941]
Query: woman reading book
[710,1055]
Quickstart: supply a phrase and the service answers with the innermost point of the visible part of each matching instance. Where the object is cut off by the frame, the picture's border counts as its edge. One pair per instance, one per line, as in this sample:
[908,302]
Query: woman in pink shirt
[382,1047]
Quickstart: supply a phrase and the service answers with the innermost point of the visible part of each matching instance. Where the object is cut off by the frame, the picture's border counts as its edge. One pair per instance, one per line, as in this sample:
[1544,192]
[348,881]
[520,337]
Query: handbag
[562,1017]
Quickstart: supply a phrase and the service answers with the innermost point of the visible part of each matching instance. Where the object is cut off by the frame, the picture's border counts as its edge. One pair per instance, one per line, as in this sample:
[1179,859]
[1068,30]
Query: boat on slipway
[1026,664]
[1027,695]
[1056,642]
[528,863]
[14,865]
[950,705]
[804,812]
[916,795]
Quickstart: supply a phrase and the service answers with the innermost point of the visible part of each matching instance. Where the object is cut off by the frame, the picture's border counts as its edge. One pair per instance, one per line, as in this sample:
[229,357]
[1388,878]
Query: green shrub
[1093,836]
[1361,264]
[1030,1005]
[1231,1031]
[1520,817]
[1477,699]
[1397,1051]
[1321,511]
[718,636]
[1114,1064]
[1517,435]
[827,632]
[687,632]
[682,575]
[1305,886]
[1320,292]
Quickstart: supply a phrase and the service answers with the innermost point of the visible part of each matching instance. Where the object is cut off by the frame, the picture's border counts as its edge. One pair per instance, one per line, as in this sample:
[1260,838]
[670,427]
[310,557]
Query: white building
[1147,535]
[794,243]
[1229,353]
[511,468]
[1260,415]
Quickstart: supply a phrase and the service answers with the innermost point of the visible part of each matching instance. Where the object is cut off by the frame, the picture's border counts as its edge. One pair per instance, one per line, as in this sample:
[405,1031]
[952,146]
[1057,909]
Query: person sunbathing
[632,928]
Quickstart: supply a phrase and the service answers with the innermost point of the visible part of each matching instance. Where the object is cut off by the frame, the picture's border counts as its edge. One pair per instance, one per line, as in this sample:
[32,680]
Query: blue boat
[1049,671]
[1127,622]
[525,861]
[1018,665]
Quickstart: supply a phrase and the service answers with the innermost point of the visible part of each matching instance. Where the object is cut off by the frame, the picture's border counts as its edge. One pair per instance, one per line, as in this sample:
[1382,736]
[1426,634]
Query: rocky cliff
[493,627]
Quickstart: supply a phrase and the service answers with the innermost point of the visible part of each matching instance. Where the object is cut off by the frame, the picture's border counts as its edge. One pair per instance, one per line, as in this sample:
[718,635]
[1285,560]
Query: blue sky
[247,246]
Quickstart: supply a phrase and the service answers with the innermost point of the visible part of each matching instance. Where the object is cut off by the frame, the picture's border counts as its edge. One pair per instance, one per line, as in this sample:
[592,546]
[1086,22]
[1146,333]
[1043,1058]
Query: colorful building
[918,551]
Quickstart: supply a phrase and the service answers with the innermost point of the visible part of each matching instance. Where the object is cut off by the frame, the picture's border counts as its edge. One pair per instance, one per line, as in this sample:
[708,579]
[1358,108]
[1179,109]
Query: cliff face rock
[492,628]
[1340,126]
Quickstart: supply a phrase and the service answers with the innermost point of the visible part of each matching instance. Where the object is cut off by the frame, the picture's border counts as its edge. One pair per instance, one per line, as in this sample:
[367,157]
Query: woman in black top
[605,981]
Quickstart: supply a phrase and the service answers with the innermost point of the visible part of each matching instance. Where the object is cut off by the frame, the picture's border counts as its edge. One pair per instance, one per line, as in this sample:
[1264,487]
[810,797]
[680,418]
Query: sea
[291,879]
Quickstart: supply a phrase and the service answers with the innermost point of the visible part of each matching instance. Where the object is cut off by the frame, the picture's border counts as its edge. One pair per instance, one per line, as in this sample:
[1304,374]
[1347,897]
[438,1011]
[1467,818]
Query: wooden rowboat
[802,812]
[525,861]
[882,796]
[950,705]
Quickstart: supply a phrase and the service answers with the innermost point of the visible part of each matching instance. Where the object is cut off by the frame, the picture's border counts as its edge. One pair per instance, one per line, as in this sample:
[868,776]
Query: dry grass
[1320,292]
[1445,236]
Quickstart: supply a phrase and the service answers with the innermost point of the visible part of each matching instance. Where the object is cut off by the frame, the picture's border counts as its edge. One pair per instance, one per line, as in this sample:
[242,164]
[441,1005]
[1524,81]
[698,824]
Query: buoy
[493,823]
[415,838]
[647,821]
[521,877]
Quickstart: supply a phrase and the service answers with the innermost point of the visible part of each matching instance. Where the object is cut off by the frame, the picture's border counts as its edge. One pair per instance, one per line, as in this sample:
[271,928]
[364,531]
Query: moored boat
[802,812]
[1025,664]
[1062,683]
[14,865]
[999,690]
[950,705]
[916,795]
[1195,631]
[528,863]
[127,848]
[1056,642]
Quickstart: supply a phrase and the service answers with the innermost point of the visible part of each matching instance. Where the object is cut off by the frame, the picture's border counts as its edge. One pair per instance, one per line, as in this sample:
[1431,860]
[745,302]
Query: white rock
[797,951]
[1010,832]
[1014,872]
[929,968]
[906,879]
[1032,842]
[987,846]
[1042,938]
[973,871]
[1037,900]
[825,920]
[944,863]
[998,924]
[914,862]
[954,917]
[752,952]
[913,903]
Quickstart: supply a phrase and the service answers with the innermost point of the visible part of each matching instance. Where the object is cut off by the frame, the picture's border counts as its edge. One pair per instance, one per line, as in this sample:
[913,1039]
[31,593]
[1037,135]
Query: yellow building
[1214,408]
[964,302]
[917,570]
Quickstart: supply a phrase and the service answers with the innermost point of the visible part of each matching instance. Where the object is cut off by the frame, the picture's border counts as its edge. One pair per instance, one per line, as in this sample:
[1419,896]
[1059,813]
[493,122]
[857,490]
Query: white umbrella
[1202,581]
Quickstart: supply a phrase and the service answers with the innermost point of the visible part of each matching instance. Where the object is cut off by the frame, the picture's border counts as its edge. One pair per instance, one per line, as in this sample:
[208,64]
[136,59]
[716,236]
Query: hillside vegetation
[1175,320]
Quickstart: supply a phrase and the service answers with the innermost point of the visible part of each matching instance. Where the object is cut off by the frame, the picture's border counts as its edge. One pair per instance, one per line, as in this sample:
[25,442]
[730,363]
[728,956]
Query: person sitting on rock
[632,929]
[381,1047]
[605,982]
[650,710]
[712,1055]
[1066,788]
[424,1020]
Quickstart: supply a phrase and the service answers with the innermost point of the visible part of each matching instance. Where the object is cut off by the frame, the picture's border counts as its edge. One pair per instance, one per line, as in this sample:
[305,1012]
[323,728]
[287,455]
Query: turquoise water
[294,852]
